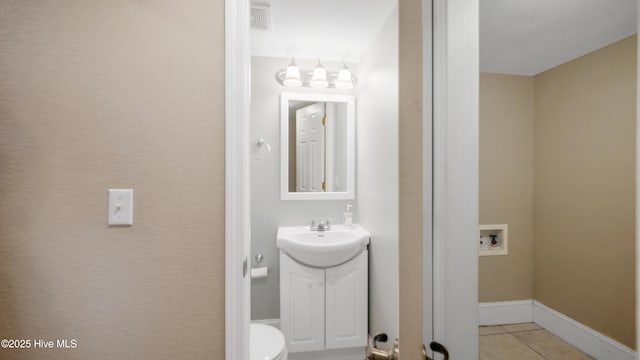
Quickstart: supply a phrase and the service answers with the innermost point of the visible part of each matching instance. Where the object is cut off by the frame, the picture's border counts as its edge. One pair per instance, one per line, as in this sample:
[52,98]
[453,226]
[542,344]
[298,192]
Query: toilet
[266,343]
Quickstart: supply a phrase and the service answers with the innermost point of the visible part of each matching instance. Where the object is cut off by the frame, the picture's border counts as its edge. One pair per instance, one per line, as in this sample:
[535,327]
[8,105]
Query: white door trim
[427,174]
[455,181]
[237,178]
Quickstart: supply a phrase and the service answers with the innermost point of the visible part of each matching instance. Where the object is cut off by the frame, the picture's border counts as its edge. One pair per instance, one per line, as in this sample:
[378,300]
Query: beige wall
[506,183]
[584,183]
[558,165]
[96,95]
[410,177]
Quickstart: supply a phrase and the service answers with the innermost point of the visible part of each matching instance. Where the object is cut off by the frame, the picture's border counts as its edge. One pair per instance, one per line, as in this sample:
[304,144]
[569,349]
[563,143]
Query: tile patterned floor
[524,342]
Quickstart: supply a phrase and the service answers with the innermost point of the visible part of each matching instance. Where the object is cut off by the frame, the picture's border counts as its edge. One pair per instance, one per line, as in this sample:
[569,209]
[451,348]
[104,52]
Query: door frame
[455,114]
[237,178]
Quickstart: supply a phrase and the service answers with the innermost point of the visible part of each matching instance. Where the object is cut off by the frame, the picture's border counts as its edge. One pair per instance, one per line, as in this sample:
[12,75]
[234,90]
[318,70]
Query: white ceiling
[325,29]
[522,37]
[527,37]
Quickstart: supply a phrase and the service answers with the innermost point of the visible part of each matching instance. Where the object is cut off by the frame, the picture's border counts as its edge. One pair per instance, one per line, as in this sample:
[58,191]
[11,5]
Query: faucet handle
[313,223]
[327,222]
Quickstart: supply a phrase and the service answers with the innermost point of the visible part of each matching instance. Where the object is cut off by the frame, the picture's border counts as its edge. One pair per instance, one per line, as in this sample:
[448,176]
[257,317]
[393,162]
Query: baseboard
[581,336]
[272,322]
[506,312]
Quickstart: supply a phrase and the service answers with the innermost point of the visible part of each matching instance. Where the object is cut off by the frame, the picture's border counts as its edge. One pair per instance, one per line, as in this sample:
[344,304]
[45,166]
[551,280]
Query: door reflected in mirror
[317,146]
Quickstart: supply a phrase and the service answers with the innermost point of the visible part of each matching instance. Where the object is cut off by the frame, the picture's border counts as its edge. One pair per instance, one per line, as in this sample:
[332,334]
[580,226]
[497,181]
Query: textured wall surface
[584,181]
[506,183]
[410,177]
[377,163]
[112,94]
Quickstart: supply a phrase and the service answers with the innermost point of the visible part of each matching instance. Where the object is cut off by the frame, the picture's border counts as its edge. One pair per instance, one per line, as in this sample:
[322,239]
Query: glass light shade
[292,76]
[319,77]
[344,80]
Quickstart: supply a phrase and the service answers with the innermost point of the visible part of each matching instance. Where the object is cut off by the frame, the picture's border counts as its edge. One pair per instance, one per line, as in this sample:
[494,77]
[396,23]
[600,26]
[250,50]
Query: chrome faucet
[324,225]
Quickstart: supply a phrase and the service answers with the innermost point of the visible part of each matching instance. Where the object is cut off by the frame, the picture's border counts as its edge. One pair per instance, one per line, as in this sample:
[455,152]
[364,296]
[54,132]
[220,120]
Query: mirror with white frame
[317,142]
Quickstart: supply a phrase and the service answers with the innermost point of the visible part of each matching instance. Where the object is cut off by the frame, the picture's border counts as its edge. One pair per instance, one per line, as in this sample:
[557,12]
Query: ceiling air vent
[260,17]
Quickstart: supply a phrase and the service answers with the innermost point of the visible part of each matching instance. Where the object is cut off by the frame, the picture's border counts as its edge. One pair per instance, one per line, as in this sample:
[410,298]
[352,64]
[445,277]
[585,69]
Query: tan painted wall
[584,181]
[104,94]
[410,178]
[506,183]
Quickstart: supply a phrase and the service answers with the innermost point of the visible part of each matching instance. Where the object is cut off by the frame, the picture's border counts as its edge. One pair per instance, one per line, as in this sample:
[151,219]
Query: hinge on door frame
[245,267]
[324,186]
[324,121]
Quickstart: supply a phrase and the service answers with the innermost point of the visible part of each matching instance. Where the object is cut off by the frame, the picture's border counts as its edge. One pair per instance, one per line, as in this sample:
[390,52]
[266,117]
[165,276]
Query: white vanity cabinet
[324,308]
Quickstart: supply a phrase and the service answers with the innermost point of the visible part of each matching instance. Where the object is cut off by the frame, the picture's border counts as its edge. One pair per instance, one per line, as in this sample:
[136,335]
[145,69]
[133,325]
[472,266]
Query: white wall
[377,169]
[267,210]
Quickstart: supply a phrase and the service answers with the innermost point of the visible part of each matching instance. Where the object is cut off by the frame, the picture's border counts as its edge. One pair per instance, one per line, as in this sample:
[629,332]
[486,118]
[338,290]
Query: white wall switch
[120,207]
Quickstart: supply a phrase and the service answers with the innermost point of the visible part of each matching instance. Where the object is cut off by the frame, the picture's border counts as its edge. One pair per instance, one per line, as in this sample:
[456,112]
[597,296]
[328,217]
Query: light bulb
[344,81]
[292,75]
[319,77]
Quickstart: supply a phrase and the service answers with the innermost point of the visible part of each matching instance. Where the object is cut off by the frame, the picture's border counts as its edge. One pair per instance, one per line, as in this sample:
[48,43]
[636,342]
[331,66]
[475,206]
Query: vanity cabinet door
[347,303]
[301,305]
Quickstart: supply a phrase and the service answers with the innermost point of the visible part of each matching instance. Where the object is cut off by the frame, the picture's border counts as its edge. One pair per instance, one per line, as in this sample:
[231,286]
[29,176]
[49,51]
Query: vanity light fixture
[319,77]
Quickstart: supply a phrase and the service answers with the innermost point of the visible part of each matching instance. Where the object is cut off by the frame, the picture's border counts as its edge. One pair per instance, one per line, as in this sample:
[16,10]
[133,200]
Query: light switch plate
[120,207]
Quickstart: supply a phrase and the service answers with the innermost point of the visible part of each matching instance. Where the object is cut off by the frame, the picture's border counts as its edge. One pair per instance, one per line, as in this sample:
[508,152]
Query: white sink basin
[322,248]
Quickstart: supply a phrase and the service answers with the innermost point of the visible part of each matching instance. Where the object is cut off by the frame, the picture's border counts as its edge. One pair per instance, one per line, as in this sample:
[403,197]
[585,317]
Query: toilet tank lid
[266,342]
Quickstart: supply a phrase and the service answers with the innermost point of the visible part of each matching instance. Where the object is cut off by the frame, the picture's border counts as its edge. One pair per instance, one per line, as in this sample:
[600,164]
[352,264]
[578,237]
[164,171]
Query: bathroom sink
[322,248]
